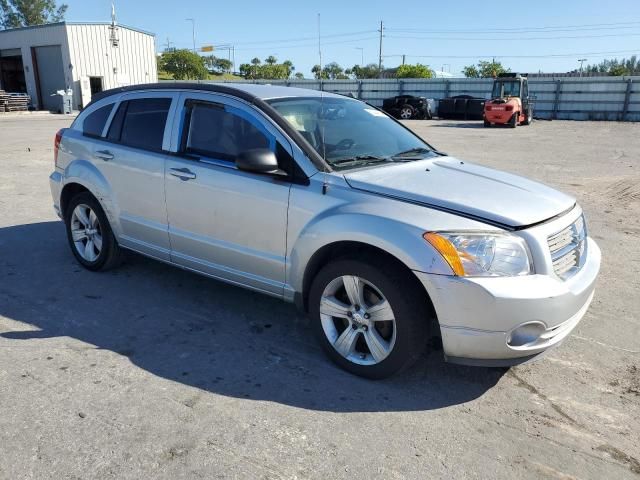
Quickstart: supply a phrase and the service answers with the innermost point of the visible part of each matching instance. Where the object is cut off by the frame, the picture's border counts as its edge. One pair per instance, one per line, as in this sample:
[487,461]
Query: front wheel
[371,322]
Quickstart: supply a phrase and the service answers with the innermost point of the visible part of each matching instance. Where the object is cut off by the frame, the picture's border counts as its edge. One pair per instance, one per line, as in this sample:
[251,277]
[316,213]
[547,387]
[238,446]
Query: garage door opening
[12,71]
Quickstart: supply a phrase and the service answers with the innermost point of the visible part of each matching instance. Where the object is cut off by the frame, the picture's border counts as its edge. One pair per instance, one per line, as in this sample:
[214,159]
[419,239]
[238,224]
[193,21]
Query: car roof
[247,91]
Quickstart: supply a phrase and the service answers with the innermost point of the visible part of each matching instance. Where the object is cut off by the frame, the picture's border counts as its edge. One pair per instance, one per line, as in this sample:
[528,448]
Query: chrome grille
[567,248]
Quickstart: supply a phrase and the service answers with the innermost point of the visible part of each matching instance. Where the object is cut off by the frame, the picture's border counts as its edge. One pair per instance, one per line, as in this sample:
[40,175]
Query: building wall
[92,54]
[25,38]
[87,51]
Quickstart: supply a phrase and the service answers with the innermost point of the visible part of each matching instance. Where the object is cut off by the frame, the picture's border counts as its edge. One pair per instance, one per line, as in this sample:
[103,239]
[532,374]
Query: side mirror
[259,160]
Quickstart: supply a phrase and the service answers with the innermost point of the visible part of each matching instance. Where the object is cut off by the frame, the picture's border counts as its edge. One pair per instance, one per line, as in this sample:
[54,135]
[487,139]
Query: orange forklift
[510,102]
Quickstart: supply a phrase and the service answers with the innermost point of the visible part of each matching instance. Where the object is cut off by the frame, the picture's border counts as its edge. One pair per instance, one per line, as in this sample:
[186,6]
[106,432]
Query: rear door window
[140,123]
[222,132]
[96,120]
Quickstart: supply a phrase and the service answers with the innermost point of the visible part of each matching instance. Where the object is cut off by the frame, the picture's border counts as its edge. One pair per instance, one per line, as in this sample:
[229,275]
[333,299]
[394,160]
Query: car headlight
[473,254]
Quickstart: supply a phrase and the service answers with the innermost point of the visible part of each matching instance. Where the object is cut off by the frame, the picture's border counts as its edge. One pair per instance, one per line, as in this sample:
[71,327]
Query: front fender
[85,173]
[402,240]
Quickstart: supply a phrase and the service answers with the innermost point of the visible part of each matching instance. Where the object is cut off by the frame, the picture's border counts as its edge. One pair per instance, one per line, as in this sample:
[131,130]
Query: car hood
[466,189]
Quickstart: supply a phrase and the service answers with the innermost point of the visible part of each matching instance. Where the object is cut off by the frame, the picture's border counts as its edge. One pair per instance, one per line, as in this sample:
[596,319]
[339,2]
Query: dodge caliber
[327,202]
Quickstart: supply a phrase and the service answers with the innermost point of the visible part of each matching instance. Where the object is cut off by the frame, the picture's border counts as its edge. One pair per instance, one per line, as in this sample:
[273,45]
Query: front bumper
[479,315]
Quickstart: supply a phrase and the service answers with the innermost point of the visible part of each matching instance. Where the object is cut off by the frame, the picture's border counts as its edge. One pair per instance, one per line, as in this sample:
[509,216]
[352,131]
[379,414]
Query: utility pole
[380,51]
[404,57]
[168,45]
[581,60]
[193,32]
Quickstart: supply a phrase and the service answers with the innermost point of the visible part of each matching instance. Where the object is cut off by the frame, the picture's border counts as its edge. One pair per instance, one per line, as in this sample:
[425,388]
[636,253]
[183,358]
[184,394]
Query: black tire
[529,117]
[407,108]
[513,122]
[110,254]
[407,300]
[487,124]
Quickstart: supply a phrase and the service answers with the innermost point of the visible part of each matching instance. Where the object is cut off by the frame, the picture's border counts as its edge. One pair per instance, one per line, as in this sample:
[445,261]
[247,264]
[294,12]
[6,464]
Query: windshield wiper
[416,151]
[360,160]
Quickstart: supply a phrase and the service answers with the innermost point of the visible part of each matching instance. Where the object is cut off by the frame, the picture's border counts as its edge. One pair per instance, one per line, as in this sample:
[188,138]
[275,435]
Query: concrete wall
[587,98]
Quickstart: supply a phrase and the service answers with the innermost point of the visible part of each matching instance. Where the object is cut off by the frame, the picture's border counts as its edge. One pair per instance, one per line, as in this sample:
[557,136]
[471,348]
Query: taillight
[56,146]
[487,108]
[509,108]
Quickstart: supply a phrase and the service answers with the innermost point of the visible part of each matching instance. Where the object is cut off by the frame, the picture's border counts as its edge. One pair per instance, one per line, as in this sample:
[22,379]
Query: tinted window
[95,121]
[222,132]
[143,123]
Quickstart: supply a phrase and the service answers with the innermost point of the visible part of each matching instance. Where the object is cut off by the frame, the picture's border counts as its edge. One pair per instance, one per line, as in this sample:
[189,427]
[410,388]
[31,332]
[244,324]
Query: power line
[564,28]
[512,38]
[557,55]
[302,39]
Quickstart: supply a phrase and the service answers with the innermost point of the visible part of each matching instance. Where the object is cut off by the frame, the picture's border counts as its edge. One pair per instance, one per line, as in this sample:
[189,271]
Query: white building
[86,57]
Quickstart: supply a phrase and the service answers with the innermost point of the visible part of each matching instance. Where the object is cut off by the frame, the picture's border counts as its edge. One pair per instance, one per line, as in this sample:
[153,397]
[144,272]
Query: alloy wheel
[357,320]
[86,232]
[406,113]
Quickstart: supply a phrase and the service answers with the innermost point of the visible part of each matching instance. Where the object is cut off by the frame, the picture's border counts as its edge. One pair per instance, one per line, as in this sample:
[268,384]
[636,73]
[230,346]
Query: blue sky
[451,34]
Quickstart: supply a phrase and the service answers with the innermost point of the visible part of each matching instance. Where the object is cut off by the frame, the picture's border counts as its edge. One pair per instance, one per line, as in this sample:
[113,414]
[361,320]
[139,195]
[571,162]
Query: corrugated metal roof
[59,24]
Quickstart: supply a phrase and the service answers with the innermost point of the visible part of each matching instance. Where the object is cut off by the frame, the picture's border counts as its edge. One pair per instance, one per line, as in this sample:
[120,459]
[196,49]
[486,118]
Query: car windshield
[506,89]
[348,133]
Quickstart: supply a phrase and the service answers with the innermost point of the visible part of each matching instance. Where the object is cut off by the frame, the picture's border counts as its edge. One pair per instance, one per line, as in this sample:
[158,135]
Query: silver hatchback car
[328,202]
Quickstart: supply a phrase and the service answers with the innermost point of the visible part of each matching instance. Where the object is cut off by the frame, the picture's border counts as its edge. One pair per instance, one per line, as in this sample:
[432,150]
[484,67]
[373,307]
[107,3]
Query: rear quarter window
[93,125]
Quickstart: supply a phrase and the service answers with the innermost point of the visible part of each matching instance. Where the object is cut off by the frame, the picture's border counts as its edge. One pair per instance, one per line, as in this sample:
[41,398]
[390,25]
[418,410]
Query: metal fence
[570,98]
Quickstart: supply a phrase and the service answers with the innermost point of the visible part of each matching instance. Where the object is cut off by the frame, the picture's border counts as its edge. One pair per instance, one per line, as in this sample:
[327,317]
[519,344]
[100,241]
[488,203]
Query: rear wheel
[487,124]
[407,112]
[89,233]
[371,321]
[529,117]
[513,122]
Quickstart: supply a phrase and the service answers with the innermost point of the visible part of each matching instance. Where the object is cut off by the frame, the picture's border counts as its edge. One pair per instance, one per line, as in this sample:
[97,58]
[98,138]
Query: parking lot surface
[153,372]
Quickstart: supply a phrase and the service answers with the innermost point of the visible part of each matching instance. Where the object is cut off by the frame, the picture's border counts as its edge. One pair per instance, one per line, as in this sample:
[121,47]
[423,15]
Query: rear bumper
[55,184]
[498,116]
[479,317]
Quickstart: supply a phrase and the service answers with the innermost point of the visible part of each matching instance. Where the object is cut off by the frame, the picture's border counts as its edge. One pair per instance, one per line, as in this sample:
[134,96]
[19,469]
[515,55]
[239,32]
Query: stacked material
[14,102]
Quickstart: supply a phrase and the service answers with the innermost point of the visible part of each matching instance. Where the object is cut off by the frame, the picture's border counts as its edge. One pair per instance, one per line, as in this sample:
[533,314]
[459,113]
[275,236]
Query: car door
[223,221]
[132,158]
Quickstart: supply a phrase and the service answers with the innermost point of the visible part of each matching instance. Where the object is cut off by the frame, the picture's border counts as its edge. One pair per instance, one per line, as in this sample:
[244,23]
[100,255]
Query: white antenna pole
[319,47]
[113,15]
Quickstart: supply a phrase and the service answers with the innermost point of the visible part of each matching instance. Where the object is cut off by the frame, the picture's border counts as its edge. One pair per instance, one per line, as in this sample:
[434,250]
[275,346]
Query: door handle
[105,155]
[182,173]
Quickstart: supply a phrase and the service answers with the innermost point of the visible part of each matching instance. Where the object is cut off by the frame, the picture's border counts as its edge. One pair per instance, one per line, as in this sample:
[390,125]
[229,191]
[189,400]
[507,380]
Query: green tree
[23,13]
[183,65]
[318,73]
[414,71]
[270,70]
[218,65]
[484,69]
[363,72]
[626,66]
[299,75]
[331,71]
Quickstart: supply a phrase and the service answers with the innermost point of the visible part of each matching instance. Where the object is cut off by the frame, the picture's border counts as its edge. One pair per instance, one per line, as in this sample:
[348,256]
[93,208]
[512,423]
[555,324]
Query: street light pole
[193,32]
[581,60]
